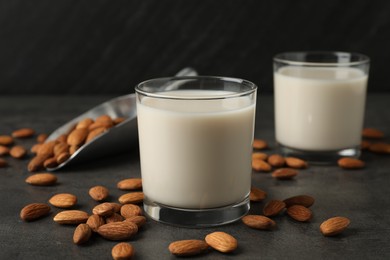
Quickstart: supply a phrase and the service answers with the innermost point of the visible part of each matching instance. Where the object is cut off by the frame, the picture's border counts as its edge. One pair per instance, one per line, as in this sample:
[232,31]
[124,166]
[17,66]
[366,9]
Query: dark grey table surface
[361,195]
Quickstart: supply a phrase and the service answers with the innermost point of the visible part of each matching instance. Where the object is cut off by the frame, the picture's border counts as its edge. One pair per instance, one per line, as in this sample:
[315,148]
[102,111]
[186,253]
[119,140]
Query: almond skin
[118,120]
[257,194]
[95,133]
[46,149]
[284,173]
[132,198]
[383,148]
[6,140]
[259,156]
[299,213]
[4,150]
[260,144]
[37,163]
[62,157]
[273,208]
[115,217]
[60,148]
[259,222]
[261,166]
[82,234]
[63,200]
[188,247]
[50,163]
[85,123]
[122,251]
[350,163]
[42,179]
[98,193]
[95,221]
[303,200]
[130,184]
[71,217]
[296,163]
[130,210]
[372,133]
[41,138]
[105,209]
[118,230]
[77,137]
[138,220]
[334,226]
[3,163]
[221,241]
[117,206]
[23,133]
[18,151]
[34,211]
[276,160]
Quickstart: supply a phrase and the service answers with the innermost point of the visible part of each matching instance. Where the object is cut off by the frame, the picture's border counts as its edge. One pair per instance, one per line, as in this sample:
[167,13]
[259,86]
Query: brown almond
[4,150]
[117,206]
[62,157]
[101,124]
[77,137]
[42,179]
[221,241]
[372,133]
[303,200]
[260,144]
[115,217]
[118,230]
[3,163]
[37,162]
[364,144]
[34,211]
[381,147]
[138,220]
[95,133]
[284,173]
[130,184]
[276,160]
[41,138]
[261,166]
[299,213]
[273,208]
[104,209]
[103,118]
[23,133]
[118,120]
[34,149]
[47,149]
[81,234]
[132,197]
[98,193]
[18,151]
[296,163]
[50,162]
[85,123]
[257,194]
[259,222]
[350,163]
[95,221]
[62,138]
[60,148]
[188,247]
[73,149]
[71,217]
[129,210]
[334,226]
[259,156]
[6,140]
[63,200]
[122,251]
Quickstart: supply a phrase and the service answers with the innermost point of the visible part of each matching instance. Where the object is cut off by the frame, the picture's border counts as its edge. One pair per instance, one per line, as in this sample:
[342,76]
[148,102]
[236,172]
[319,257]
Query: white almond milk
[196,153]
[319,109]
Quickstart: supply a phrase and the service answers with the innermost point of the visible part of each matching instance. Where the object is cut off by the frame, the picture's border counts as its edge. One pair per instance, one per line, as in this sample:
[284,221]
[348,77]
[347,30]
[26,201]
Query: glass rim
[281,57]
[165,94]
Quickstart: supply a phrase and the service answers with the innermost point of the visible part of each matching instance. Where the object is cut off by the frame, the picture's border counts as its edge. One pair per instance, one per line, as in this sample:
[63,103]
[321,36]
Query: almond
[50,163]
[95,133]
[350,163]
[35,148]
[130,210]
[221,241]
[132,197]
[261,166]
[259,222]
[304,200]
[101,124]
[364,145]
[138,220]
[273,208]
[257,194]
[299,213]
[3,163]
[23,133]
[37,163]
[98,193]
[117,206]
[42,179]
[118,120]
[115,217]
[259,156]
[259,144]
[104,209]
[189,247]
[47,149]
[122,251]
[6,140]
[95,221]
[34,211]
[118,230]
[379,148]
[82,234]
[85,123]
[62,157]
[60,148]
[73,149]
[334,226]
[276,160]
[4,150]
[296,163]
[71,217]
[41,138]
[77,137]
[372,133]
[284,173]
[130,184]
[103,118]
[63,200]
[62,138]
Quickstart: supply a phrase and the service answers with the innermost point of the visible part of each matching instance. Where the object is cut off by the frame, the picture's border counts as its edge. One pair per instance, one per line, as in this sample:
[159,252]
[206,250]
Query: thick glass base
[196,218]
[320,157]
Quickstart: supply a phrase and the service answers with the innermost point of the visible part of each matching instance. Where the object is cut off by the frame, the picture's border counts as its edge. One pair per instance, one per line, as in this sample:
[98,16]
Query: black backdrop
[106,47]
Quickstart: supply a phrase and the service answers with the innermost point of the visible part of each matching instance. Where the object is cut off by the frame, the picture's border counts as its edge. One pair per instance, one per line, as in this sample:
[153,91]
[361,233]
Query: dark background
[106,47]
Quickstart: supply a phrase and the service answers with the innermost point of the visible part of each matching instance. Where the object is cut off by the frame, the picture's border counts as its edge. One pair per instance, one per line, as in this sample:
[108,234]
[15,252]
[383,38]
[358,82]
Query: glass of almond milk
[195,140]
[319,104]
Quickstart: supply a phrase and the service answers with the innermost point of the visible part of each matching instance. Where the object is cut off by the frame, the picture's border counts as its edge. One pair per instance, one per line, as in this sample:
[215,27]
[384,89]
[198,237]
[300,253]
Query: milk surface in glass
[319,109]
[196,153]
